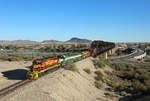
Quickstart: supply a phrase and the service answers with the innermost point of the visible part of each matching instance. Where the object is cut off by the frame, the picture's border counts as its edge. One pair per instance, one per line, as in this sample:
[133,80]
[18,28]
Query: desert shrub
[113,84]
[108,72]
[147,61]
[131,79]
[98,84]
[117,66]
[87,70]
[24,56]
[148,51]
[138,87]
[71,67]
[100,62]
[147,83]
[99,76]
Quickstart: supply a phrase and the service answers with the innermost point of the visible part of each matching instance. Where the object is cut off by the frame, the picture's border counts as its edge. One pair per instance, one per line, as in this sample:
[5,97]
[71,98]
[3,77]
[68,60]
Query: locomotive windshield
[37,62]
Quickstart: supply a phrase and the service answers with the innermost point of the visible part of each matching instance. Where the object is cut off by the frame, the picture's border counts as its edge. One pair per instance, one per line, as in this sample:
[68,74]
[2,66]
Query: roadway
[127,59]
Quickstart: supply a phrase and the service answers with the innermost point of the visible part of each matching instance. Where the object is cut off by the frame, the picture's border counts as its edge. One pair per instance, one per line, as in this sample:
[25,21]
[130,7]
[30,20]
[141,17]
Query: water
[27,52]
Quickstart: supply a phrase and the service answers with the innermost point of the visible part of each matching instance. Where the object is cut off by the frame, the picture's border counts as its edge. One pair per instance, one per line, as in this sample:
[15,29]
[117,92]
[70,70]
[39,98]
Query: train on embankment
[40,66]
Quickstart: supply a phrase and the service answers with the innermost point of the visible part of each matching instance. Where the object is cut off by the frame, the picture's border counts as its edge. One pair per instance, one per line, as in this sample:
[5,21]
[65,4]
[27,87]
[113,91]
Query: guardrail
[140,56]
[125,55]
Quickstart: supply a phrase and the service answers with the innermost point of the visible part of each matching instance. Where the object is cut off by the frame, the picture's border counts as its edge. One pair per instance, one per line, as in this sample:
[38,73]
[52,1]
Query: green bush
[99,76]
[87,70]
[114,85]
[99,63]
[98,84]
[132,79]
[147,84]
[138,87]
[147,61]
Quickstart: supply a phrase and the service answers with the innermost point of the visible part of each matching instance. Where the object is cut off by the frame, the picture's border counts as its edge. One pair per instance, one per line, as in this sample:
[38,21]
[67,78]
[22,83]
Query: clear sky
[109,20]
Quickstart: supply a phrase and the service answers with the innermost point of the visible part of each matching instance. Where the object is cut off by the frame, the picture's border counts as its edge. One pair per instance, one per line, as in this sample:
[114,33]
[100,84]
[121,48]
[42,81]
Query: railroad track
[15,86]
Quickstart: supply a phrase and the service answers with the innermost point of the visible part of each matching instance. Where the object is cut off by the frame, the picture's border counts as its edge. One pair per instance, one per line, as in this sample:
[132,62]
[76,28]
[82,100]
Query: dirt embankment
[63,85]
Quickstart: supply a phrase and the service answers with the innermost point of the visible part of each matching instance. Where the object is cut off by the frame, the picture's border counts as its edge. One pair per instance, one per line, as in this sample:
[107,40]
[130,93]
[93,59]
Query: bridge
[102,48]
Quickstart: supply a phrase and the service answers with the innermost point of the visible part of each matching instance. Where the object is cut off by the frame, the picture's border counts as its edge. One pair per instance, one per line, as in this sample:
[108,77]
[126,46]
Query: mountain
[18,41]
[24,41]
[51,41]
[4,41]
[72,40]
[78,40]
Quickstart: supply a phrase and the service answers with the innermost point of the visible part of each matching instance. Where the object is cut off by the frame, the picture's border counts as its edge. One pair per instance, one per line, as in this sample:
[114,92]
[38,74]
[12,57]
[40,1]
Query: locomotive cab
[37,62]
[33,73]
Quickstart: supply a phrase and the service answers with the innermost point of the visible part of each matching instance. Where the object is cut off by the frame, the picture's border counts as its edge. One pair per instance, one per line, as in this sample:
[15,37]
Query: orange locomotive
[41,65]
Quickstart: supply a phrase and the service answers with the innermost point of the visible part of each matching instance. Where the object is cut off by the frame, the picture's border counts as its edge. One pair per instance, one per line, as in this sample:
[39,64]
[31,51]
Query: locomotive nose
[32,75]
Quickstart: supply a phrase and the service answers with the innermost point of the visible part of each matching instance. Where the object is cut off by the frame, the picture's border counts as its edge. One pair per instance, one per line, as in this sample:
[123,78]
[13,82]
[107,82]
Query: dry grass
[71,67]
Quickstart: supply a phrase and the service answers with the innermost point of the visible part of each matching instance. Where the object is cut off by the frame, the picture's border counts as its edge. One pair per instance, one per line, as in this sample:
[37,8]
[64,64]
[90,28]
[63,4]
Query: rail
[15,86]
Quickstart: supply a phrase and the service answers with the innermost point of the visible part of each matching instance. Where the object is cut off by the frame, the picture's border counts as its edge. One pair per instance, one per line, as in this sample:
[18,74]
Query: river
[27,52]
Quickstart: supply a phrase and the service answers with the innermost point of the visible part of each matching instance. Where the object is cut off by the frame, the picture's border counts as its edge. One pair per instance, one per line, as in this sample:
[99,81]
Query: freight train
[40,66]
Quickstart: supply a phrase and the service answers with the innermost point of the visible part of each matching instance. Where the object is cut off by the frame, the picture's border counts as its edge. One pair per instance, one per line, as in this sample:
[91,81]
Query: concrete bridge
[109,52]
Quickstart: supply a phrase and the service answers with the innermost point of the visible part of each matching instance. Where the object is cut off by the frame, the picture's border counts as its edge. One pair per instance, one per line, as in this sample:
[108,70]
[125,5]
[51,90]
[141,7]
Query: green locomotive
[69,58]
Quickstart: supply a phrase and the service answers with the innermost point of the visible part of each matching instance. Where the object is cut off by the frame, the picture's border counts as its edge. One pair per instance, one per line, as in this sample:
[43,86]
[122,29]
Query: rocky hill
[78,40]
[51,41]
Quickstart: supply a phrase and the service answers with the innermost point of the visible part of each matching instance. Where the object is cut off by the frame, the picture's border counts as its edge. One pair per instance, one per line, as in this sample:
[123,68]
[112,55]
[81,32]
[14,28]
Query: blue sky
[109,20]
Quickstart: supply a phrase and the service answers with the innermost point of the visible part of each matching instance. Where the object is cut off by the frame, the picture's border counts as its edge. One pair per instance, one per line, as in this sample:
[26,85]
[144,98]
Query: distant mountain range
[72,40]
[18,41]
[51,41]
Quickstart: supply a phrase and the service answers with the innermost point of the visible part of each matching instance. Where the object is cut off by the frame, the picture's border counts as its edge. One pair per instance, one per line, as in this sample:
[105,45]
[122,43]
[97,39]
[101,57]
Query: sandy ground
[12,72]
[62,85]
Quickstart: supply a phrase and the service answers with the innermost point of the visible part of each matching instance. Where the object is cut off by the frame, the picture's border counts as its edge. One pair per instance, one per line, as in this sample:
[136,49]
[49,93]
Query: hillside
[63,85]
[87,80]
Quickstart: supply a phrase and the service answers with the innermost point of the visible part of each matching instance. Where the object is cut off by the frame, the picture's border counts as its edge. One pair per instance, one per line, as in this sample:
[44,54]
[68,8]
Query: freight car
[98,47]
[40,66]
